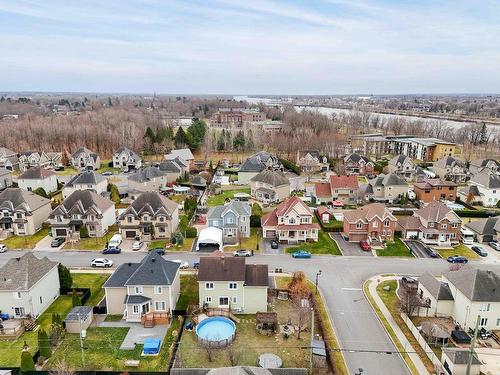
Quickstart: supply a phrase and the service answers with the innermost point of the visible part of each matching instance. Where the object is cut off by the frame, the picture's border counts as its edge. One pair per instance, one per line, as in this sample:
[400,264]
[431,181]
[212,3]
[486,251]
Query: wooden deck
[151,319]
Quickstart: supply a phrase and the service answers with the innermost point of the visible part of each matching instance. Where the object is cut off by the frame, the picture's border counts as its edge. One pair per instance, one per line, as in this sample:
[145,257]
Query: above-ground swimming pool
[216,330]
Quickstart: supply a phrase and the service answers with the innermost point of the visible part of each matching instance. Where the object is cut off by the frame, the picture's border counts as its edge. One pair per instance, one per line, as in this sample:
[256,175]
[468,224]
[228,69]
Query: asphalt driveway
[265,246]
[419,249]
[349,248]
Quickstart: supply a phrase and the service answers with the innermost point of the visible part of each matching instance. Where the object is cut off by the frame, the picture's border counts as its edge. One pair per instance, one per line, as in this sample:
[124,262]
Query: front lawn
[25,242]
[106,168]
[251,242]
[189,292]
[324,245]
[187,245]
[94,243]
[68,171]
[217,200]
[458,250]
[395,249]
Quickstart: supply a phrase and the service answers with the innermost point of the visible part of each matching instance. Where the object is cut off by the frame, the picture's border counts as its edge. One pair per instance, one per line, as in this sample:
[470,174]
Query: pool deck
[137,333]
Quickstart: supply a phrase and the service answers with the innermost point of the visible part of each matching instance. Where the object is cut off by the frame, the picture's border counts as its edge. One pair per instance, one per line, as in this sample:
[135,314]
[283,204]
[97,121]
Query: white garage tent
[210,236]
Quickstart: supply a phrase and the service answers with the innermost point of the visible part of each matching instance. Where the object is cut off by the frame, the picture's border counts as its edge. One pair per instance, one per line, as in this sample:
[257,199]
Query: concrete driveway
[44,245]
[349,248]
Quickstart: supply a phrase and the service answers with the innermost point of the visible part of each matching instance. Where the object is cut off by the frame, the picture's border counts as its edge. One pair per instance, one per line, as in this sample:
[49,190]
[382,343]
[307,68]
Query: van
[115,241]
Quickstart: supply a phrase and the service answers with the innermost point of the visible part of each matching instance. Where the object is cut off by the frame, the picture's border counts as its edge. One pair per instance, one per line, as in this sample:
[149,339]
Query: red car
[365,246]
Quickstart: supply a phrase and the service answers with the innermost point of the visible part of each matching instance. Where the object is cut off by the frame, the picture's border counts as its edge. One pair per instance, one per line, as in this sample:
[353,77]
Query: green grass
[251,242]
[333,224]
[113,318]
[458,250]
[178,198]
[189,292]
[324,245]
[395,249]
[157,244]
[94,243]
[68,171]
[187,245]
[106,168]
[219,199]
[25,242]
[94,281]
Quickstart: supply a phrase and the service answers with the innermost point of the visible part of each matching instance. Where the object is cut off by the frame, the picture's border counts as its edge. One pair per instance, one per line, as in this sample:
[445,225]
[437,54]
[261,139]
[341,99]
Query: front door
[145,308]
[19,312]
[223,301]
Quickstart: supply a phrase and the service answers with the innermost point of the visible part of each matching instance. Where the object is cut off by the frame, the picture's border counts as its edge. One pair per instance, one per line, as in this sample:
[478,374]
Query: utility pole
[312,340]
[472,345]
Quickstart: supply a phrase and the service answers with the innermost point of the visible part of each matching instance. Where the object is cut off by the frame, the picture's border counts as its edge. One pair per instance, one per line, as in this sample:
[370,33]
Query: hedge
[255,221]
[290,165]
[474,213]
[191,232]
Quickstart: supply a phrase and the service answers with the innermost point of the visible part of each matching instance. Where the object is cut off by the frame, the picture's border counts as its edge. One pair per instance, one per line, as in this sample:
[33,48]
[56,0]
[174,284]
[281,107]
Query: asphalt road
[355,323]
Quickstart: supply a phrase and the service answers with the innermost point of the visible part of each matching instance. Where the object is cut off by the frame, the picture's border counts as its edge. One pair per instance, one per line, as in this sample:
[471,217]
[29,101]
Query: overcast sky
[250,46]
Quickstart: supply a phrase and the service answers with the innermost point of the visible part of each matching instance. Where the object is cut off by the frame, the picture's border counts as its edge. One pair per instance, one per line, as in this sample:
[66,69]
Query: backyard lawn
[25,242]
[189,292]
[324,245]
[217,200]
[459,250]
[106,168]
[395,249]
[68,171]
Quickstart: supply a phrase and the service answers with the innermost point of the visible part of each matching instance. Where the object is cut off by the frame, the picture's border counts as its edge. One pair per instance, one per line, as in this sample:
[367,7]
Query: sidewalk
[372,289]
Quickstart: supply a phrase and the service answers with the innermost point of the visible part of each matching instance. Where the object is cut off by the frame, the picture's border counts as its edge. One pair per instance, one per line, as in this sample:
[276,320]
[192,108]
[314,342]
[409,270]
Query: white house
[28,285]
[38,177]
[127,159]
[486,186]
[87,180]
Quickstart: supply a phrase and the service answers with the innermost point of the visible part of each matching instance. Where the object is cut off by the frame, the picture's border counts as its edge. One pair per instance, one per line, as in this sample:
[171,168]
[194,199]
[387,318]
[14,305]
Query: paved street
[355,323]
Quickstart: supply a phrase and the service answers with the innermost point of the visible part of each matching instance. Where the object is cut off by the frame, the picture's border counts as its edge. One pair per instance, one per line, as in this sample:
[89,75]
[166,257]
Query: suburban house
[432,189]
[5,178]
[479,165]
[83,208]
[145,292]
[434,224]
[385,188]
[255,164]
[311,161]
[84,159]
[28,285]
[230,283]
[8,159]
[402,166]
[86,180]
[43,159]
[290,222]
[126,159]
[147,179]
[462,294]
[485,230]
[451,169]
[151,215]
[184,155]
[341,188]
[233,218]
[22,212]
[456,360]
[270,186]
[173,169]
[373,223]
[38,177]
[358,165]
[483,189]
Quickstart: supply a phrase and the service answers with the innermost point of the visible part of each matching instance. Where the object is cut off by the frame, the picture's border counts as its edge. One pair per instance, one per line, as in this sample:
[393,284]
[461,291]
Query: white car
[411,194]
[101,262]
[3,248]
[183,265]
[495,245]
[137,245]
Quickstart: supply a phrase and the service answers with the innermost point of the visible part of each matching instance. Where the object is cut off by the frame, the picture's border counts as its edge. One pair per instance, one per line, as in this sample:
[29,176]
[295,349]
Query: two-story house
[126,159]
[5,178]
[290,222]
[84,159]
[432,189]
[83,208]
[485,230]
[451,169]
[341,188]
[434,224]
[373,223]
[86,180]
[255,164]
[144,292]
[28,285]
[270,186]
[402,166]
[173,169]
[358,165]
[183,155]
[311,161]
[22,212]
[230,283]
[233,218]
[483,188]
[8,159]
[42,159]
[151,215]
[479,165]
[385,188]
[147,179]
[38,177]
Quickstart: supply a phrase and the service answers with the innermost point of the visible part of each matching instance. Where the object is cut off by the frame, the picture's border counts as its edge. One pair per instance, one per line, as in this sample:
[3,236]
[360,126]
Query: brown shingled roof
[343,182]
[256,275]
[37,173]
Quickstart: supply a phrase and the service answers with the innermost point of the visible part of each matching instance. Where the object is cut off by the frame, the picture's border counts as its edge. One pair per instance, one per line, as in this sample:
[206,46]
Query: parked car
[59,168]
[408,280]
[112,250]
[411,194]
[159,251]
[4,316]
[107,173]
[183,264]
[115,241]
[196,264]
[479,251]
[301,254]
[101,262]
[495,245]
[243,253]
[3,248]
[137,245]
[430,252]
[365,246]
[274,244]
[457,259]
[58,241]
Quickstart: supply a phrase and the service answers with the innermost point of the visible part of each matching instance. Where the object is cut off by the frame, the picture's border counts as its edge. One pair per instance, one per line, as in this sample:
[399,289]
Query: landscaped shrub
[44,344]
[65,279]
[75,299]
[290,165]
[27,363]
[84,232]
[191,232]
[255,221]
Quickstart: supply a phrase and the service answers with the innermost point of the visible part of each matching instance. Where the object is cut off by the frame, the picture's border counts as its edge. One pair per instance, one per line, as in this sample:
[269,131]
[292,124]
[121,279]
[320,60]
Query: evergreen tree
[483,134]
[44,344]
[84,232]
[75,300]
[110,103]
[180,137]
[114,193]
[65,279]
[56,319]
[27,363]
[41,192]
[221,141]
[196,133]
[239,141]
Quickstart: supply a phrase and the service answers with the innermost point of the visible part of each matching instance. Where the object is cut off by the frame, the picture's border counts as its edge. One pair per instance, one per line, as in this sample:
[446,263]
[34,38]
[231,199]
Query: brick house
[435,189]
[372,223]
[358,165]
[342,188]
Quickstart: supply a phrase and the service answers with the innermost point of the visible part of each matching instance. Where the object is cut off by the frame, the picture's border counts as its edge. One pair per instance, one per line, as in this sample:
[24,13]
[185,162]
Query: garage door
[60,232]
[130,234]
[270,234]
[357,237]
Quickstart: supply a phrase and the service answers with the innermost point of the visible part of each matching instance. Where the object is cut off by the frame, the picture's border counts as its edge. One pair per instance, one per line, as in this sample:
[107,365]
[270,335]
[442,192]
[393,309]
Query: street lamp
[317,275]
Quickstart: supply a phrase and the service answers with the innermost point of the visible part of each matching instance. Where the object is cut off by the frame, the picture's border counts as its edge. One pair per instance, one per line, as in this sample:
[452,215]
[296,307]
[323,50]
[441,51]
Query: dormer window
[145,218]
[161,219]
[19,215]
[129,219]
[386,222]
[291,220]
[431,225]
[375,224]
[359,225]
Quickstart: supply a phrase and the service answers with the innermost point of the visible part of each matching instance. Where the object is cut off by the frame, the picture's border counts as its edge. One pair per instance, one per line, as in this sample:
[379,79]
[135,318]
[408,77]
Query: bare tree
[409,300]
[61,368]
[233,355]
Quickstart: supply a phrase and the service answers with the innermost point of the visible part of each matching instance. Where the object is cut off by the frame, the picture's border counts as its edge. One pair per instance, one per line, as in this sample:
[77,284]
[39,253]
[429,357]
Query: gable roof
[19,199]
[37,173]
[390,179]
[288,204]
[356,158]
[271,177]
[152,202]
[436,211]
[461,356]
[4,172]
[20,274]
[434,183]
[183,153]
[344,182]
[222,268]
[486,179]
[481,163]
[170,166]
[238,207]
[86,151]
[477,285]
[439,290]
[449,161]
[86,178]
[368,212]
[399,160]
[129,152]
[322,189]
[257,162]
[84,200]
[146,174]
[314,153]
[484,226]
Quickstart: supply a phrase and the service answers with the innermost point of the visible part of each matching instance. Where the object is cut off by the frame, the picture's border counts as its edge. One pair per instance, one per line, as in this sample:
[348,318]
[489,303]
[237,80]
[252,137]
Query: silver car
[137,245]
[3,248]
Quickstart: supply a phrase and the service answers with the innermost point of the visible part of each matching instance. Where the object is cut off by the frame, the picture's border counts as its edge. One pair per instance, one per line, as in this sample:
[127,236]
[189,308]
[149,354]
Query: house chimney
[153,260]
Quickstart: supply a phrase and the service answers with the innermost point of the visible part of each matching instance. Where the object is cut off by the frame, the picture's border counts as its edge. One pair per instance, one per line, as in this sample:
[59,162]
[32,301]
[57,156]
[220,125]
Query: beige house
[84,159]
[147,179]
[384,188]
[38,177]
[22,212]
[402,166]
[5,178]
[311,161]
[231,284]
[28,285]
[145,290]
[87,180]
[151,215]
[270,186]
[451,169]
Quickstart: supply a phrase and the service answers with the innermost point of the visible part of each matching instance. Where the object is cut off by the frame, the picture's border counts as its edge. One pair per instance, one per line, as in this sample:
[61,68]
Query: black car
[59,168]
[479,251]
[56,242]
[457,259]
[159,251]
[112,250]
[274,244]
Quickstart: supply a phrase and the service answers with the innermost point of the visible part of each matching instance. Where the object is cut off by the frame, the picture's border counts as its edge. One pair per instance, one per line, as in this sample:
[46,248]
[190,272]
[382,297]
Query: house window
[485,307]
[129,219]
[91,228]
[498,322]
[233,286]
[291,220]
[135,309]
[160,305]
[304,220]
[386,222]
[20,226]
[208,299]
[452,235]
[230,220]
[145,218]
[138,290]
[41,300]
[483,322]
[359,225]
[161,229]
[235,299]
[454,225]
[444,226]
[19,216]
[243,218]
[158,290]
[17,295]
[431,225]
[59,219]
[161,219]
[375,224]
[209,285]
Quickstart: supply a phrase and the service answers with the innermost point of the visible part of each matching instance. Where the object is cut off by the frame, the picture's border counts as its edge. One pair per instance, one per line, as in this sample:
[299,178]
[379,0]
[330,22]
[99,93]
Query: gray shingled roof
[400,159]
[459,356]
[129,152]
[271,177]
[390,179]
[240,208]
[170,166]
[476,285]
[152,202]
[15,198]
[121,275]
[484,226]
[4,172]
[439,290]
[20,274]
[84,150]
[449,161]
[257,162]
[183,153]
[356,158]
[135,299]
[78,312]
[486,179]
[86,177]
[146,174]
[84,199]
[436,211]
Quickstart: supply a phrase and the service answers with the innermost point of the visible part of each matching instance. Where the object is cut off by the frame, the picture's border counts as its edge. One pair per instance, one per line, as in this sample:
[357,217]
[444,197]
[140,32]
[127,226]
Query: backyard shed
[78,319]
